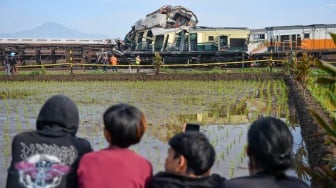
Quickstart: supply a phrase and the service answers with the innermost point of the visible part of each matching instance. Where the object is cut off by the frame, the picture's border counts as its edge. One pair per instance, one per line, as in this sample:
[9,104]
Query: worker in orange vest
[114,62]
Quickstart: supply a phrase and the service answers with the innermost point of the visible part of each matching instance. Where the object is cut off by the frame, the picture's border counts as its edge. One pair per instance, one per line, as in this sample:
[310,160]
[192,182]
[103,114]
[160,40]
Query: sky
[114,18]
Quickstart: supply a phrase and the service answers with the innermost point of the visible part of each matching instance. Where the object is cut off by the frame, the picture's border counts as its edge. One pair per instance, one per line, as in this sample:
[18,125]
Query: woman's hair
[270,144]
[125,123]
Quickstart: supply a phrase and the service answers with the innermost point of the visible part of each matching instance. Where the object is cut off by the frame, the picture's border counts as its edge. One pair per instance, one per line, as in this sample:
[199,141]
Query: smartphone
[192,127]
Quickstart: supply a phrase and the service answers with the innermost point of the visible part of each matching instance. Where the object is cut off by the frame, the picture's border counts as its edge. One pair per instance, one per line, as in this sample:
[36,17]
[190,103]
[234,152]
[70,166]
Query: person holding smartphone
[191,127]
[188,162]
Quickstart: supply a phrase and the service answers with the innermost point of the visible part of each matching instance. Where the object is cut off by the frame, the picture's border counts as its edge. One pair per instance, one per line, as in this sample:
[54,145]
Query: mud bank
[314,137]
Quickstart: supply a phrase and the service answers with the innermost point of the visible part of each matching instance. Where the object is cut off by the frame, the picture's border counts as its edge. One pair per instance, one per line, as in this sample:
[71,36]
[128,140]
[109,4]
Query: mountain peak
[53,30]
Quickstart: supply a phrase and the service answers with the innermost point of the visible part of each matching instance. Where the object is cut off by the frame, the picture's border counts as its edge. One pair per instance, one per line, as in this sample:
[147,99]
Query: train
[314,39]
[173,32]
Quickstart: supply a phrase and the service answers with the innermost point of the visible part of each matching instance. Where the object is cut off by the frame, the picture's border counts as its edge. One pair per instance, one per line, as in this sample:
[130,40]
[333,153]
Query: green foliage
[330,128]
[333,36]
[157,61]
[326,175]
[42,71]
[300,68]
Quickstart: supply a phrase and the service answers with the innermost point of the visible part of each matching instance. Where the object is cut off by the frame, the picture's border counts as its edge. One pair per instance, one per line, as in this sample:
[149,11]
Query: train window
[284,38]
[259,36]
[210,38]
[306,36]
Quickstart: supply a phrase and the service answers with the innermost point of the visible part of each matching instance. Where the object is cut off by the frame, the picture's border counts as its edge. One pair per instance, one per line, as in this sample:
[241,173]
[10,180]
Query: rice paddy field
[223,108]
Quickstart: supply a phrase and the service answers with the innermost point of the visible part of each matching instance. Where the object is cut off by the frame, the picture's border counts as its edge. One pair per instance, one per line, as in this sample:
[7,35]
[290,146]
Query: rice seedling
[166,104]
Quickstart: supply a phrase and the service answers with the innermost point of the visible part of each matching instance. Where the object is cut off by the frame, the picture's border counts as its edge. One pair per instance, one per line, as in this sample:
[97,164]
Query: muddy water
[224,108]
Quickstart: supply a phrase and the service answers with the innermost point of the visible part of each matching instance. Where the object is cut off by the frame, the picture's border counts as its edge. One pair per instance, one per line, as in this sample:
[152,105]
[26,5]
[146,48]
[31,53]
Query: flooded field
[223,108]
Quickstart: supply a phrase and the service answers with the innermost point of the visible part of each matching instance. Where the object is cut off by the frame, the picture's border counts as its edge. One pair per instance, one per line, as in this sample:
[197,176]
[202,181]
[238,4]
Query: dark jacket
[265,181]
[49,156]
[168,180]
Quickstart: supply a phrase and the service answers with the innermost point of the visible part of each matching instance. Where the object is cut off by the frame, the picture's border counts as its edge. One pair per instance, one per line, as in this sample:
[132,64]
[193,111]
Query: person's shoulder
[243,181]
[296,181]
[22,136]
[82,144]
[239,179]
[165,179]
[82,140]
[265,181]
[162,174]
[136,157]
[94,155]
[218,178]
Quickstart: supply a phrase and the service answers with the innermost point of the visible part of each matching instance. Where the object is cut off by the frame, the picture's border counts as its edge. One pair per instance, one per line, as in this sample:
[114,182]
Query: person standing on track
[138,62]
[114,62]
[7,65]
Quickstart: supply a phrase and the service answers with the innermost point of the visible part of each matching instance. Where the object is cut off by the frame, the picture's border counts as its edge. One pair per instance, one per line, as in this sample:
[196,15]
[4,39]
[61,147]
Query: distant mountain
[53,30]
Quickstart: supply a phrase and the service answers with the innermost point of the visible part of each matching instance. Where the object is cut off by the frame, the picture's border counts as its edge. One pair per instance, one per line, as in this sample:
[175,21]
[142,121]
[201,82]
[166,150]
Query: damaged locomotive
[173,32]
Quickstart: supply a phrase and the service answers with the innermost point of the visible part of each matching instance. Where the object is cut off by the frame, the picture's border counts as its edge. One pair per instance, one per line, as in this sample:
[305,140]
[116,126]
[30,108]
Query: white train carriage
[282,39]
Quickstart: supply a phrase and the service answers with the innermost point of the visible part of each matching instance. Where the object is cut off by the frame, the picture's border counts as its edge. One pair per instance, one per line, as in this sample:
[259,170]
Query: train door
[298,40]
[186,42]
[165,44]
[179,41]
[293,42]
[223,42]
[193,41]
[149,41]
[158,42]
[2,54]
[284,43]
[139,41]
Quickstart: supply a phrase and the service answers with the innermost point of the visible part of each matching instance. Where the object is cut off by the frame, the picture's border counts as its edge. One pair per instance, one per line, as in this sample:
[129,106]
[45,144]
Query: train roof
[301,26]
[202,28]
[218,28]
[56,41]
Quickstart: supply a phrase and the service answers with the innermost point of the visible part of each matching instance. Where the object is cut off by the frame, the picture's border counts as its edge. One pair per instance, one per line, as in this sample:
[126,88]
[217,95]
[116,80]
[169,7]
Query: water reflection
[244,111]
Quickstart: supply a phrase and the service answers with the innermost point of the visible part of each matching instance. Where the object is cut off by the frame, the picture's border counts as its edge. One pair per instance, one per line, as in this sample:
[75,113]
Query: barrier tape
[163,65]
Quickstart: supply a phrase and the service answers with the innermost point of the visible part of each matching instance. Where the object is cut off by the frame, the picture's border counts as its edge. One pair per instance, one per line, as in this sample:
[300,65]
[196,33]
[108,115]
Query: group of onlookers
[53,156]
[10,65]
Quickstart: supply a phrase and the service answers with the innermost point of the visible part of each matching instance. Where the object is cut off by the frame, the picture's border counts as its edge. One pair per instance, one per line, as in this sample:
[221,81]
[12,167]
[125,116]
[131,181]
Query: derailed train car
[172,31]
[193,45]
[279,41]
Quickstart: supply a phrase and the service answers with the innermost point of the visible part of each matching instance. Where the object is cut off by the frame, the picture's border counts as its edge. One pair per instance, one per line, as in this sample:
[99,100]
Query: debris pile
[166,17]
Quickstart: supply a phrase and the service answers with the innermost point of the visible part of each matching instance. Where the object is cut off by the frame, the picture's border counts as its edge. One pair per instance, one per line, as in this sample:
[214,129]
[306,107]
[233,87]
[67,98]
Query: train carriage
[191,44]
[173,32]
[314,39]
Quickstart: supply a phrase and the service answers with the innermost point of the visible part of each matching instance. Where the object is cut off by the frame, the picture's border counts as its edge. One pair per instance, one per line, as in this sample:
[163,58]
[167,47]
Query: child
[116,166]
